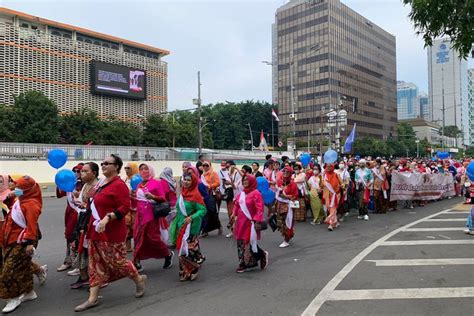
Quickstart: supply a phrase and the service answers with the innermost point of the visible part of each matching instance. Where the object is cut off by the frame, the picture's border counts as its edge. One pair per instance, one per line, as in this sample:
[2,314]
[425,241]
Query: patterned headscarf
[167,175]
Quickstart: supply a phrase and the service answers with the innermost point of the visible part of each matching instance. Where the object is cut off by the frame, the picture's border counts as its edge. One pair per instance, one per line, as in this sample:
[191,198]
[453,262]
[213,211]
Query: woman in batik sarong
[19,237]
[287,200]
[107,232]
[185,229]
[332,185]
[247,216]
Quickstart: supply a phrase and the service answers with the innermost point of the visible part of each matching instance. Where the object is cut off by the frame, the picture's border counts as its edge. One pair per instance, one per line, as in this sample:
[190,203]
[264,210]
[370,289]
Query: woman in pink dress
[248,216]
[150,234]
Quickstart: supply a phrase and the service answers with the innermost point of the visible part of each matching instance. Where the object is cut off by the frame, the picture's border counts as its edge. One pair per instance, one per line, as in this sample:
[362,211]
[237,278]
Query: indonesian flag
[275,115]
[263,142]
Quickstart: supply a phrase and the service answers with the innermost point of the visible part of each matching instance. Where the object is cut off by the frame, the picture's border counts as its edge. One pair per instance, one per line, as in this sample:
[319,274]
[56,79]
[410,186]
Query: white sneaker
[43,275]
[229,235]
[471,232]
[360,217]
[366,217]
[29,296]
[12,304]
[284,244]
[74,272]
[466,231]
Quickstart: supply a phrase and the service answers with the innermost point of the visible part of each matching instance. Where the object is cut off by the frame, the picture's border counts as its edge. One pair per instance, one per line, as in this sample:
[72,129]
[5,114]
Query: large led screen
[118,81]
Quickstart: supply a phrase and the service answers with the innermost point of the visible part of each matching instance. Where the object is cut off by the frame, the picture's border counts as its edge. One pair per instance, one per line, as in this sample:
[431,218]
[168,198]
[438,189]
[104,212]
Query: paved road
[296,275]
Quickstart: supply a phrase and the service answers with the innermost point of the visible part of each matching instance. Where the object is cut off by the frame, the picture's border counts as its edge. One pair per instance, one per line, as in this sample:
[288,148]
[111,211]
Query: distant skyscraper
[471,107]
[425,112]
[408,104]
[448,88]
[324,55]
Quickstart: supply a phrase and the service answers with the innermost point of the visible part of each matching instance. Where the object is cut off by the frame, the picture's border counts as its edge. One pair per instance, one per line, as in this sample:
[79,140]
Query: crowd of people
[106,217]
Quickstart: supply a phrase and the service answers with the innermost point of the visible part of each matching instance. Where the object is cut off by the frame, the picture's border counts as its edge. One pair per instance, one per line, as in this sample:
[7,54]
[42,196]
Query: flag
[275,116]
[350,140]
[263,142]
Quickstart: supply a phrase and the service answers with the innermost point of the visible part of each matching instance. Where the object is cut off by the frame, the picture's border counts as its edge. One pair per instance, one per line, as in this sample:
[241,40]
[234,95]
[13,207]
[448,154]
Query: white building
[408,103]
[448,88]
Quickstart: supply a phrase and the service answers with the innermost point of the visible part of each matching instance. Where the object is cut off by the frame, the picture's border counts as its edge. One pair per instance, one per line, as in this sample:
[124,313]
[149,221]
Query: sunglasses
[76,171]
[205,165]
[127,168]
[106,163]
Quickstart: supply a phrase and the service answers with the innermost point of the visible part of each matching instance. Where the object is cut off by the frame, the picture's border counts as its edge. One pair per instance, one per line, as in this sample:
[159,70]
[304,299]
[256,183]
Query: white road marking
[445,237]
[446,220]
[459,212]
[390,294]
[421,262]
[434,229]
[427,242]
[327,291]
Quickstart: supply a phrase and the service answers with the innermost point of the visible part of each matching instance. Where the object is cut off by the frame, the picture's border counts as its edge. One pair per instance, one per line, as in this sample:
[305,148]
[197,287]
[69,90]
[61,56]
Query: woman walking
[89,176]
[332,185]
[248,216]
[210,179]
[315,194]
[184,232]
[150,234]
[131,169]
[300,180]
[19,237]
[286,196]
[107,232]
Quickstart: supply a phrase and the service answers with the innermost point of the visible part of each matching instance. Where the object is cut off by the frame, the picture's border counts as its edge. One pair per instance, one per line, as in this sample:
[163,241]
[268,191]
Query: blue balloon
[305,159]
[433,158]
[443,155]
[470,171]
[268,196]
[65,180]
[330,156]
[57,158]
[135,181]
[262,184]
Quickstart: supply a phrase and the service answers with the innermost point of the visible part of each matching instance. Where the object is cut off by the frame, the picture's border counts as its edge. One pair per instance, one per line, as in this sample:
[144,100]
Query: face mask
[18,192]
[341,167]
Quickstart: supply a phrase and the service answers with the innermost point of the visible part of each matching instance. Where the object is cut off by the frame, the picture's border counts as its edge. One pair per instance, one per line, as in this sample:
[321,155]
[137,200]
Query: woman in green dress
[184,230]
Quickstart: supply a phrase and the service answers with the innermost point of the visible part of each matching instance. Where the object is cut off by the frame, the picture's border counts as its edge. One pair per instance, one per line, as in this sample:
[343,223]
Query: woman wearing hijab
[89,176]
[332,185]
[286,196]
[169,186]
[300,180]
[107,232]
[150,234]
[131,169]
[248,214]
[210,179]
[184,232]
[19,237]
[70,218]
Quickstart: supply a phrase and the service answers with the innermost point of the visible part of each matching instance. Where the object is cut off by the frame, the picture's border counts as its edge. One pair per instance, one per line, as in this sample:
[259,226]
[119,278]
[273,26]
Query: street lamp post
[251,136]
[417,148]
[198,103]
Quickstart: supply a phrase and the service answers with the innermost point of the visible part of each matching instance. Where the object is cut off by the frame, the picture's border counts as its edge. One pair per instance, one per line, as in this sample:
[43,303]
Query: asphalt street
[379,277]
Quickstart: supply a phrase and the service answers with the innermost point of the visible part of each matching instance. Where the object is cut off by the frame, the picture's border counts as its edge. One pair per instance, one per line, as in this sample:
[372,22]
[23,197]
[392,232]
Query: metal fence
[28,151]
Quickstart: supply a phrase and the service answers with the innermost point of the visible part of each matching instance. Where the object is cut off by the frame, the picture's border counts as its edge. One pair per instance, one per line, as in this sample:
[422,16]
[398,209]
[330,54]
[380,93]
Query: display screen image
[119,81]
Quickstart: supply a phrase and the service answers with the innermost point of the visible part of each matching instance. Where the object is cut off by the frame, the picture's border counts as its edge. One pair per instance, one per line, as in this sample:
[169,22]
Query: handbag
[228,194]
[263,225]
[294,204]
[161,209]
[272,222]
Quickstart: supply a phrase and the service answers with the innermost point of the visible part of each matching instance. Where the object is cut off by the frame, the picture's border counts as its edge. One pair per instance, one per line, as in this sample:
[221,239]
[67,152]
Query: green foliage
[440,18]
[452,131]
[34,119]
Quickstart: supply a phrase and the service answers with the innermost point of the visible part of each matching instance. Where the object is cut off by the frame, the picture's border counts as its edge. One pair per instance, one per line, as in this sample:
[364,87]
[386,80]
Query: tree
[452,131]
[34,118]
[157,132]
[81,127]
[120,133]
[6,127]
[440,18]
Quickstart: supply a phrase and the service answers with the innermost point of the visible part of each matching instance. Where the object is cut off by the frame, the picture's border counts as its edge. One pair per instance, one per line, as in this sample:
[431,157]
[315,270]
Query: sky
[226,40]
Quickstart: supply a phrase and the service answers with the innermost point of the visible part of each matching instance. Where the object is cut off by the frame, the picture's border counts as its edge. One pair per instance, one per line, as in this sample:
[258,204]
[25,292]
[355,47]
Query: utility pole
[292,100]
[443,110]
[199,113]
[251,137]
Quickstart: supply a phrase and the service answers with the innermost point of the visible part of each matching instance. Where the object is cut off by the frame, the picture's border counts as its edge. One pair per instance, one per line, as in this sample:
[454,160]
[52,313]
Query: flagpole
[273,136]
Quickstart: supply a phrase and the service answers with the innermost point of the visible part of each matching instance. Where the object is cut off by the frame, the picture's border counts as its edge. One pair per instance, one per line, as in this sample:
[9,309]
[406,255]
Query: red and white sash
[378,174]
[70,202]
[253,231]
[331,189]
[289,215]
[183,250]
[19,219]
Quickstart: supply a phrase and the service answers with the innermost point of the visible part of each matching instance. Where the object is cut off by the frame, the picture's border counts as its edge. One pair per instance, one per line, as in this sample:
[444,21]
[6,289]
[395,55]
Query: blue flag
[350,140]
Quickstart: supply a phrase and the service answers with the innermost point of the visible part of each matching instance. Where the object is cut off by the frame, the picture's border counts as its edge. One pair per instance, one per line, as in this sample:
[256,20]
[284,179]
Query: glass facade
[328,56]
[408,103]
